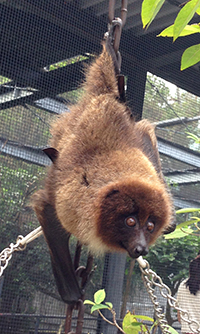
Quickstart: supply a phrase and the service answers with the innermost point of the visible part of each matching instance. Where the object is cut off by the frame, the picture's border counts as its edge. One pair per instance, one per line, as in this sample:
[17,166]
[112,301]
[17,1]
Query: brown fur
[104,171]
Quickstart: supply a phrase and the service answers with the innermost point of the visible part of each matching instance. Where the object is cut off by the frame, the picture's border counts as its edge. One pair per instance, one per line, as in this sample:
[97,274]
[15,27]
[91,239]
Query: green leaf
[184,16]
[190,56]
[188,30]
[142,317]
[136,324]
[130,325]
[187,210]
[88,302]
[172,330]
[110,305]
[150,8]
[196,140]
[139,326]
[192,135]
[99,296]
[98,307]
[186,223]
[179,233]
[198,11]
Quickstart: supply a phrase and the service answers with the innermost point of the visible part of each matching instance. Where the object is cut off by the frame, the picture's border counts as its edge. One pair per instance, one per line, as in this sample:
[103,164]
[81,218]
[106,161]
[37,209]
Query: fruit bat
[105,185]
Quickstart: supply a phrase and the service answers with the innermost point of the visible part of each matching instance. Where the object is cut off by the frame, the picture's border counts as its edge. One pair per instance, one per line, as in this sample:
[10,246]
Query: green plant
[150,9]
[187,227]
[194,137]
[132,323]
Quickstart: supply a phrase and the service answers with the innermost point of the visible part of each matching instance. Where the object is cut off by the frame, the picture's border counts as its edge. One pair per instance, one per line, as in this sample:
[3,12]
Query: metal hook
[114,32]
[111,14]
[116,23]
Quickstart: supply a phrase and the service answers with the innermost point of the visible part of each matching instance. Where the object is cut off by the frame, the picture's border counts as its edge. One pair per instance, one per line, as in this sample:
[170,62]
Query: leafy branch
[150,9]
[184,229]
[130,324]
[97,305]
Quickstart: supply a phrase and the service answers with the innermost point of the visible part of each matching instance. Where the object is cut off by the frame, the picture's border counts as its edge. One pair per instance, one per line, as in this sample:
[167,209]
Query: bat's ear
[51,152]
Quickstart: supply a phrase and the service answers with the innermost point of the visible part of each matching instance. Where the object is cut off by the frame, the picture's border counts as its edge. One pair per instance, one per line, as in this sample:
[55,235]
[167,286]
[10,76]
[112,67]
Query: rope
[31,236]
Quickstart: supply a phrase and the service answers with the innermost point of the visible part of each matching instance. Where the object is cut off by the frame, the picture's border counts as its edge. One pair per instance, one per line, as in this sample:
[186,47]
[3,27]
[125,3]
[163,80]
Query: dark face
[135,238]
[131,220]
[128,234]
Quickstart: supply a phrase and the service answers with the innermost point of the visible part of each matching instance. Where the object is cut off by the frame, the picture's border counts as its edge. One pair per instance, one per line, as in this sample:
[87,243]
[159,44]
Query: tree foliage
[150,9]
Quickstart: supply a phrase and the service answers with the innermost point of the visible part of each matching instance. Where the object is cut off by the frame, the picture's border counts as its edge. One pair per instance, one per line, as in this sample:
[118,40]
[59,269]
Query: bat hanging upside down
[105,185]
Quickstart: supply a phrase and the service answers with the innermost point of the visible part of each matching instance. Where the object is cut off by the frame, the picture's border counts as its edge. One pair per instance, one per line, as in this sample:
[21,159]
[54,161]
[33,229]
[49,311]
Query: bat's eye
[150,226]
[130,221]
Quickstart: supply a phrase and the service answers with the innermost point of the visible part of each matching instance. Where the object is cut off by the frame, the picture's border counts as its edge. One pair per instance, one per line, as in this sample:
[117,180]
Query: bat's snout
[137,246]
[138,251]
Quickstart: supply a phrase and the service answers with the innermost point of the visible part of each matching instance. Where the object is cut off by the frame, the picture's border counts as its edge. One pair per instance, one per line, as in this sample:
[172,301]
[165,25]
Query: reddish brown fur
[102,173]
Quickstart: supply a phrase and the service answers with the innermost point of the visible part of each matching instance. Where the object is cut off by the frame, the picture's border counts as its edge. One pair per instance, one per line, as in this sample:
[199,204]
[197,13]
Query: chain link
[151,280]
[6,254]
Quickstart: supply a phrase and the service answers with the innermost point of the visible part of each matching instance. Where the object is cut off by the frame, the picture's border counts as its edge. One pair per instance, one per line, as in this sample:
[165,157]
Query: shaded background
[44,46]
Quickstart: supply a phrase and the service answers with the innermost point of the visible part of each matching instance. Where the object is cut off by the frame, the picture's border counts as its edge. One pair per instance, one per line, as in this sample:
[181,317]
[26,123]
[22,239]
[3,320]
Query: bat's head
[132,214]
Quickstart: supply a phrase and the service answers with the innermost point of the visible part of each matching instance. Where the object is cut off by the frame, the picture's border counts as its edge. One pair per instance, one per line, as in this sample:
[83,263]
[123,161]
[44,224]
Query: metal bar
[176,121]
[48,84]
[36,156]
[29,154]
[184,178]
[135,93]
[182,203]
[178,152]
[51,105]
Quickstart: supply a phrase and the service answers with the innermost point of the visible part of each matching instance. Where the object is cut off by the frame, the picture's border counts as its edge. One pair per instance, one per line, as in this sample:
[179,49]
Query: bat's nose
[140,250]
[138,247]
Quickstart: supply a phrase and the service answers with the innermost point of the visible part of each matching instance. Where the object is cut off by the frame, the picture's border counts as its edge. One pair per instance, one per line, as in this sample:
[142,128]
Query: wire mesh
[46,46]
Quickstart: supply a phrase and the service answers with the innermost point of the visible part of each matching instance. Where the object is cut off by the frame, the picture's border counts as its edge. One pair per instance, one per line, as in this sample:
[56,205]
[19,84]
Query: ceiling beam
[178,152]
[184,178]
[182,203]
[47,84]
[174,151]
[27,153]
[176,121]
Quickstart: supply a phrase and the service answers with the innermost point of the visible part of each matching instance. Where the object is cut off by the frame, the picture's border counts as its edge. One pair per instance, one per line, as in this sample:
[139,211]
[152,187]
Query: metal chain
[6,254]
[151,280]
